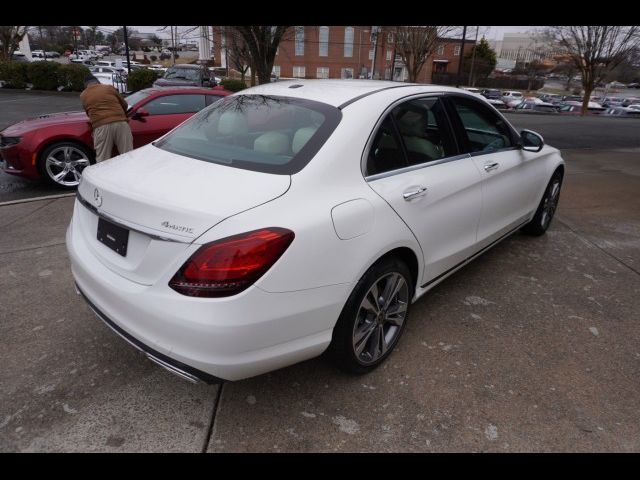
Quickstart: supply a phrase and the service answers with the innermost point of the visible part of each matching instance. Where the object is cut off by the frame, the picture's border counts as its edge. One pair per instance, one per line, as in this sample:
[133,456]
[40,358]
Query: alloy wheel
[380,317]
[550,204]
[64,165]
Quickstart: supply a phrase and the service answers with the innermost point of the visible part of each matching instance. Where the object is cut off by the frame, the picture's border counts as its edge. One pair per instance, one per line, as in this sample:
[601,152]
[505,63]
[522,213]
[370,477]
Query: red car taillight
[230,265]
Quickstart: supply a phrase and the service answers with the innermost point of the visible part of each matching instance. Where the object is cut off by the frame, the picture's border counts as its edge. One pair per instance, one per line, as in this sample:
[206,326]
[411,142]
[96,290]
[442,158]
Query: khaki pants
[106,136]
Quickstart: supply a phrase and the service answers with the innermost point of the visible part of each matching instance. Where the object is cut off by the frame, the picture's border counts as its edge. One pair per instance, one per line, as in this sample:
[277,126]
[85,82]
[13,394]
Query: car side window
[421,124]
[212,99]
[386,152]
[172,104]
[482,129]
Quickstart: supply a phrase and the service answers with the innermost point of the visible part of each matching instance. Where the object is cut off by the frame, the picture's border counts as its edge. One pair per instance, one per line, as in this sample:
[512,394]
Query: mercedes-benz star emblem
[97,197]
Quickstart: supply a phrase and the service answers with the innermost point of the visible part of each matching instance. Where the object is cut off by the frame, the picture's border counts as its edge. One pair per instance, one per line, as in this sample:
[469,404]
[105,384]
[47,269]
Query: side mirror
[531,141]
[141,112]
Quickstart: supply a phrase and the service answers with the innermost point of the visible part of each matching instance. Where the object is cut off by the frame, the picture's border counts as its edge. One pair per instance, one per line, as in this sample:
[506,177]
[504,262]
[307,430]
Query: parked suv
[491,93]
[186,75]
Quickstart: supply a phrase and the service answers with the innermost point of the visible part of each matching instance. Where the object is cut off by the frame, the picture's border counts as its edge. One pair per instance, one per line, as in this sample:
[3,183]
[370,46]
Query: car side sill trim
[477,254]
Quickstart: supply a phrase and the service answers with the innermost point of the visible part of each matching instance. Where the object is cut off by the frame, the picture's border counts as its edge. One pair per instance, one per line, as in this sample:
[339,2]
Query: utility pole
[173,46]
[473,59]
[126,49]
[464,34]
[374,33]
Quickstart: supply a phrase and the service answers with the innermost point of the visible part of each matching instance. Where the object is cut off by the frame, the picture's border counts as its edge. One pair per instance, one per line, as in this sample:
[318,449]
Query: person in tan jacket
[107,113]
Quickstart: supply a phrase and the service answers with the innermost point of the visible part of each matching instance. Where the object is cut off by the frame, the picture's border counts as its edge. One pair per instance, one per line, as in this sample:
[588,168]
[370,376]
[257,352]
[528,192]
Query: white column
[204,50]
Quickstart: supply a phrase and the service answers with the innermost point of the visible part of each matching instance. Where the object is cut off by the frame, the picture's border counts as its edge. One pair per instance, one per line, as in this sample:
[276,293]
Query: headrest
[275,143]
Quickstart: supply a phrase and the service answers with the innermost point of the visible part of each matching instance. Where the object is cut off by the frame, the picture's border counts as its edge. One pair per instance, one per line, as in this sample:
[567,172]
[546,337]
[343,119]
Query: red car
[59,146]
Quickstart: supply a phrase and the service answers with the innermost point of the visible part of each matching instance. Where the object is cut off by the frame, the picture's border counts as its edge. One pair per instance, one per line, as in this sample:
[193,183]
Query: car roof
[182,89]
[183,65]
[338,92]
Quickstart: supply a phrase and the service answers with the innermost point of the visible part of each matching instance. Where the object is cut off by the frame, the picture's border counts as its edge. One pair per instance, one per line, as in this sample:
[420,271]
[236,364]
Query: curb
[38,92]
[36,199]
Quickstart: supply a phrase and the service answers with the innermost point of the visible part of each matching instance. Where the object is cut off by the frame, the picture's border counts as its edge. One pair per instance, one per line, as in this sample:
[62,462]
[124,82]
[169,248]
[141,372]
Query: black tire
[547,207]
[78,158]
[342,350]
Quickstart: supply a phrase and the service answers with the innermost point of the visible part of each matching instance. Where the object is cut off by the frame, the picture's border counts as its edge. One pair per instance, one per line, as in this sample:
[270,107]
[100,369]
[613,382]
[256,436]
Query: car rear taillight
[230,265]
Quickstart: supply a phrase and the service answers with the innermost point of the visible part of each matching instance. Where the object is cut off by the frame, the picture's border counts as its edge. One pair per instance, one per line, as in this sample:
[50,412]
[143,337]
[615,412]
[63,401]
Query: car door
[165,112]
[510,174]
[413,163]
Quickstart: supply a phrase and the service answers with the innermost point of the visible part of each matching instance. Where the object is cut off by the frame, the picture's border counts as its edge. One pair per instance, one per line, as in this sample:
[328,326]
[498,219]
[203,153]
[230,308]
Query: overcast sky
[491,32]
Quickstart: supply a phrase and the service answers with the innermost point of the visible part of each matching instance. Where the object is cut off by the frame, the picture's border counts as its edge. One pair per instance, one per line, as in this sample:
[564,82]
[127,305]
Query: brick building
[349,52]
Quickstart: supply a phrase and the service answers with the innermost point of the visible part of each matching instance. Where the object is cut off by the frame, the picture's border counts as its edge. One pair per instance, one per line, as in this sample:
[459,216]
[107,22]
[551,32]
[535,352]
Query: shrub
[153,58]
[233,85]
[139,79]
[71,77]
[165,56]
[43,75]
[14,74]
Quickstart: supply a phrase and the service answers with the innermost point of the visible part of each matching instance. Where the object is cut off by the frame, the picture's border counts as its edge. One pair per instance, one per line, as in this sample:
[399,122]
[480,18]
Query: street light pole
[126,49]
[464,34]
[473,58]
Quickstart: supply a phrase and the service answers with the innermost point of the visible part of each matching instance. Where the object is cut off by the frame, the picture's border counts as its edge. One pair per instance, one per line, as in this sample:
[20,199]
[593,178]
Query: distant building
[348,52]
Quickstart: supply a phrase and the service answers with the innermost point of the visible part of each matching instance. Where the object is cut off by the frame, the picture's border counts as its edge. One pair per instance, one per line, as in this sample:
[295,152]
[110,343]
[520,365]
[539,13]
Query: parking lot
[534,346]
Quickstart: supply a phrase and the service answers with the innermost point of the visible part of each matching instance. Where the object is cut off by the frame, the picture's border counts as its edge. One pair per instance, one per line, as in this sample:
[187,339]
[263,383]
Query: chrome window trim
[367,147]
[419,166]
[109,218]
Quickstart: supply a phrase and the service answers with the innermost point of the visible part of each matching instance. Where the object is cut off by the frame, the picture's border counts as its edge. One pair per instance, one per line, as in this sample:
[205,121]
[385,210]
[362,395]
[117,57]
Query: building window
[323,46]
[346,73]
[299,41]
[298,72]
[390,38]
[440,49]
[389,53]
[371,54]
[322,72]
[276,70]
[348,42]
[456,50]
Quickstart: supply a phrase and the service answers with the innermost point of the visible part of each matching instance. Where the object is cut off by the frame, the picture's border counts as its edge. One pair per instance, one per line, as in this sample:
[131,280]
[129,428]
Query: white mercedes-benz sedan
[300,217]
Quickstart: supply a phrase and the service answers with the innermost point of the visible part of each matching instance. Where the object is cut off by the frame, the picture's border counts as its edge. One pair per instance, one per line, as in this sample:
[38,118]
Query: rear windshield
[269,134]
[192,74]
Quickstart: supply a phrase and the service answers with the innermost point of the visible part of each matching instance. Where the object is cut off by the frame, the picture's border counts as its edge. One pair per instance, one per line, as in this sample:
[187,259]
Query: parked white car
[510,96]
[296,217]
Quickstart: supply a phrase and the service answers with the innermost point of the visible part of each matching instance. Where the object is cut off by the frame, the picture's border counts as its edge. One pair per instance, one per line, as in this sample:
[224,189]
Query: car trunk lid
[166,201]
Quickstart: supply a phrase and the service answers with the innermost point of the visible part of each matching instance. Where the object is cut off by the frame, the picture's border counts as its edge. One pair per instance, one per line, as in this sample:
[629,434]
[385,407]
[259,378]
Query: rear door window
[172,104]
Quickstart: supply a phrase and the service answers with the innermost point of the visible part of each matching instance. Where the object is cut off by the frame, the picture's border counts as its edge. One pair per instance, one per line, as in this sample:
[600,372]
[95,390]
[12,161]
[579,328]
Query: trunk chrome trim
[109,218]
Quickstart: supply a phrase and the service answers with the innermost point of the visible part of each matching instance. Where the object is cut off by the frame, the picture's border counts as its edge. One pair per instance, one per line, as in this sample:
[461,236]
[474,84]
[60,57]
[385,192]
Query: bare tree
[238,54]
[10,37]
[262,43]
[415,44]
[595,50]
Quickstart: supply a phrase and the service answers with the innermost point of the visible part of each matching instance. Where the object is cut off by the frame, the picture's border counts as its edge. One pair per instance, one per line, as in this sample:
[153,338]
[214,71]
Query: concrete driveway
[535,346]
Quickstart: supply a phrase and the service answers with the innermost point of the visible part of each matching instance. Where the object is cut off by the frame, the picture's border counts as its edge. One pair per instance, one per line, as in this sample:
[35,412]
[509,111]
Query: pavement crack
[586,240]
[32,248]
[214,416]
[28,214]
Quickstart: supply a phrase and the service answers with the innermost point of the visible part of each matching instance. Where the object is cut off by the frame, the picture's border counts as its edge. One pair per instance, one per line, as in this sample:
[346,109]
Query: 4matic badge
[177,228]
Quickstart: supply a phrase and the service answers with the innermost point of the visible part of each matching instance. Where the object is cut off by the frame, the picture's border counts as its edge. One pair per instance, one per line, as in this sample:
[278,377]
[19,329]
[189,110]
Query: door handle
[491,166]
[416,192]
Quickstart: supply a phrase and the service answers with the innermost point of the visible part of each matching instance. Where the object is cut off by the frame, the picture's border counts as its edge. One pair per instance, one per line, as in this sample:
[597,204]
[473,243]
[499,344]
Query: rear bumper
[211,339]
[178,368]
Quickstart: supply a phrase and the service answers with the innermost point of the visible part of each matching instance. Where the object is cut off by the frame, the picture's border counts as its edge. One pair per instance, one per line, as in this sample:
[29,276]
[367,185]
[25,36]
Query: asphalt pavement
[563,132]
[532,347]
